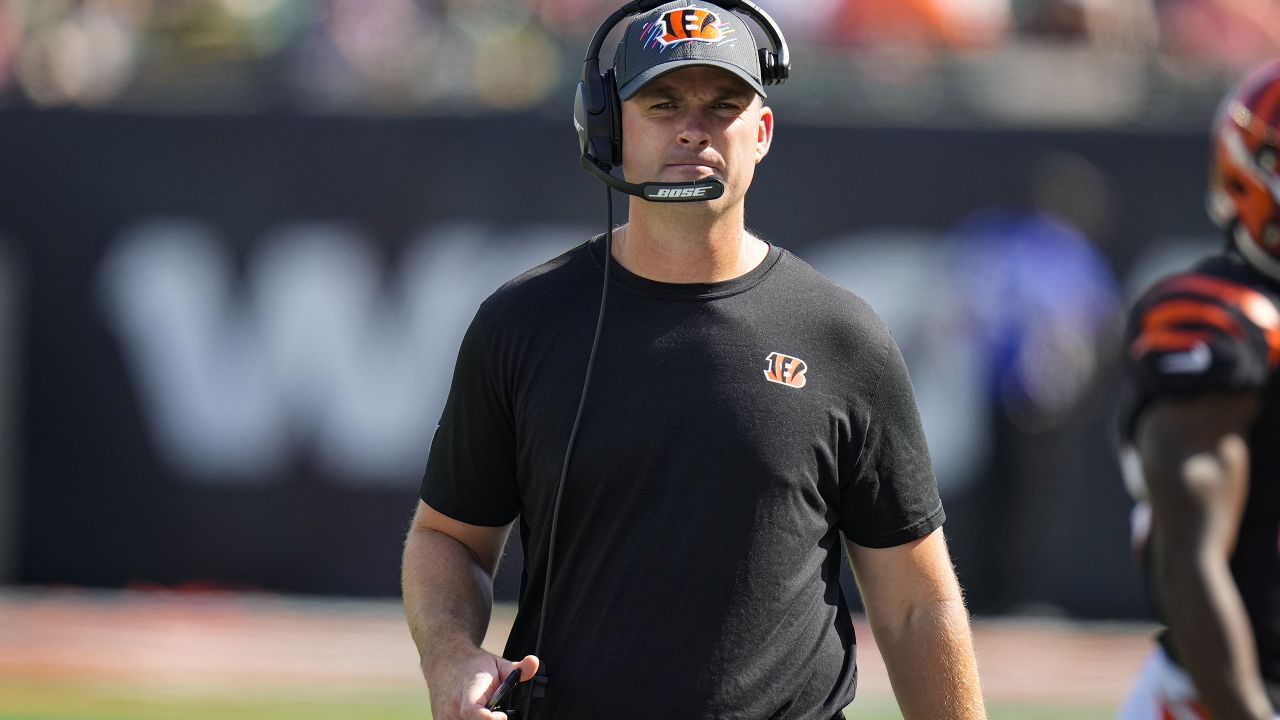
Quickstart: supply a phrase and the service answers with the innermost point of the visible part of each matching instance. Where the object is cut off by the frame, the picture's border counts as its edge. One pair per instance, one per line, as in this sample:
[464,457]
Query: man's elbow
[929,614]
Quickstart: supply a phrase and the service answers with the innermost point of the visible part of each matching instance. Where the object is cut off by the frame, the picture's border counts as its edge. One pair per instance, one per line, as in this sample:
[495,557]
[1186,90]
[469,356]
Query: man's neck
[672,245]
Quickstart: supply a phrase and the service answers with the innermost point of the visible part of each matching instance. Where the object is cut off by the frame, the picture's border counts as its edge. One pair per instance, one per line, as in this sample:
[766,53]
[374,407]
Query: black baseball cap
[685,33]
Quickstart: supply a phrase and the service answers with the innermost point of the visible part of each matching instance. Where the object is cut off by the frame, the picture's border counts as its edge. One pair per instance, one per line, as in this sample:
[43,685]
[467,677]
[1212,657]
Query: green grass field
[61,700]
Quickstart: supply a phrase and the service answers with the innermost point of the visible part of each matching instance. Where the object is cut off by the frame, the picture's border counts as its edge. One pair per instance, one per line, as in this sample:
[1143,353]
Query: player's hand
[462,684]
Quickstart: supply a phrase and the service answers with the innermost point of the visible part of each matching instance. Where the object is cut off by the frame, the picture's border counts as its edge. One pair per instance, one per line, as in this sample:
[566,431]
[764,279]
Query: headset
[597,115]
[597,109]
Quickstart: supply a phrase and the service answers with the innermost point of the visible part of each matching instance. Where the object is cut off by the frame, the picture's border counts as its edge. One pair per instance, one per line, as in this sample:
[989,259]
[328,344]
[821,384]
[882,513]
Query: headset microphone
[708,189]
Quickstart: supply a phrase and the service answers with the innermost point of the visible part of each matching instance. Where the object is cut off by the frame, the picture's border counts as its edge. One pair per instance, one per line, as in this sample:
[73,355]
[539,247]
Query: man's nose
[696,129]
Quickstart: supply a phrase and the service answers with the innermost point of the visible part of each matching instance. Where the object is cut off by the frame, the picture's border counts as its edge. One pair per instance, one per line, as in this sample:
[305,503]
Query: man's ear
[764,134]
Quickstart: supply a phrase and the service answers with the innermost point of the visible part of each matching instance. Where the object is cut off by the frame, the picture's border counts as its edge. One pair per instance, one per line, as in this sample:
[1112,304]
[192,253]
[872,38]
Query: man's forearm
[931,663]
[448,594]
[1211,633]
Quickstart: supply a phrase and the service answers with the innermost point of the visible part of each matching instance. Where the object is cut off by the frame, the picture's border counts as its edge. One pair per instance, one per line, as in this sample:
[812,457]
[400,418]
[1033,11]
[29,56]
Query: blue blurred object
[1040,300]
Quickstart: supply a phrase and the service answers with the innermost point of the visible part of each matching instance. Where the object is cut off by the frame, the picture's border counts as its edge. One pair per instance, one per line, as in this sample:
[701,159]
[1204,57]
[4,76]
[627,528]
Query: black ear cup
[779,70]
[615,117]
[595,117]
[767,66]
[772,72]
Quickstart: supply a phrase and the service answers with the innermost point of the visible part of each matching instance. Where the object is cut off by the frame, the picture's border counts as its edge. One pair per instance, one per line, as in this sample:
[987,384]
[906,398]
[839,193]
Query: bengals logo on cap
[786,370]
[688,25]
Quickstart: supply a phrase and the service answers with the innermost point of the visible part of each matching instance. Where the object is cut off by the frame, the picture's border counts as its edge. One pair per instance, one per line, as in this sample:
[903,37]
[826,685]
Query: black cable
[568,451]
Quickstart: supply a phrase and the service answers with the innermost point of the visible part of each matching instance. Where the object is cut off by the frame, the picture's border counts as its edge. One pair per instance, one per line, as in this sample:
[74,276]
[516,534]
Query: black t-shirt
[1216,328]
[732,430]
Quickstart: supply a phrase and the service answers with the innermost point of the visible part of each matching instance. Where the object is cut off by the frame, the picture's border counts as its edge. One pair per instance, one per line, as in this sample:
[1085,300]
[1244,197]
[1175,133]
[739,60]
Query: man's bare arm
[1196,465]
[447,585]
[917,613]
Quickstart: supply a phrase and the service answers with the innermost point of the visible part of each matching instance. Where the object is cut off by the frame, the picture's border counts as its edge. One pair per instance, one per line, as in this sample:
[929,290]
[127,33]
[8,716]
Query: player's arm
[1196,466]
[447,584]
[917,613]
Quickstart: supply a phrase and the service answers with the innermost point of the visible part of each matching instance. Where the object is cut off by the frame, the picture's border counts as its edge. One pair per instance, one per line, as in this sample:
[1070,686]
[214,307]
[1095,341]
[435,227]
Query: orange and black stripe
[1192,307]
[1178,325]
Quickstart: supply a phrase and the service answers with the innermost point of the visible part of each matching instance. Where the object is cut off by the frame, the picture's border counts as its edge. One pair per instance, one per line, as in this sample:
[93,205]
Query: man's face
[695,123]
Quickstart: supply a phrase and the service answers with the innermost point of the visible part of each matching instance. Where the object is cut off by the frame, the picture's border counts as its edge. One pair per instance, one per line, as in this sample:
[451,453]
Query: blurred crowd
[464,56]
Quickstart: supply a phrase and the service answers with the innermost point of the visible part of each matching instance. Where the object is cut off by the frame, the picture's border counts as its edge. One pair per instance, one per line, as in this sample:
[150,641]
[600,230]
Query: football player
[1203,432]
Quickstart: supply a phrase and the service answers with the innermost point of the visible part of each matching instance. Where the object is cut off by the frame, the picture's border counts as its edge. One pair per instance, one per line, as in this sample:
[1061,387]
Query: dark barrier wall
[239,330]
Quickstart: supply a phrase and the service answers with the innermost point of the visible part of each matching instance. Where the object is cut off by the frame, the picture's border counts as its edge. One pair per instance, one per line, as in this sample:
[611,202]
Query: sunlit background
[240,241]
[1145,63]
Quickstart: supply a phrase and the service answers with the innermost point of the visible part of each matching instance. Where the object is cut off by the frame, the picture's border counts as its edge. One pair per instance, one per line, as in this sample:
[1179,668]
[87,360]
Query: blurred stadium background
[240,241]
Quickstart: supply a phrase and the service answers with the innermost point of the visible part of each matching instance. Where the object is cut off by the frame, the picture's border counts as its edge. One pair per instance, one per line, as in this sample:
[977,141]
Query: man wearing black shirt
[745,416]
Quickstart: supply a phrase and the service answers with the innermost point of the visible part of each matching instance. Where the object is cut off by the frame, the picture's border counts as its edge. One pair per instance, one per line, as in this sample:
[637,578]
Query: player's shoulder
[1219,269]
[1220,283]
[1213,327]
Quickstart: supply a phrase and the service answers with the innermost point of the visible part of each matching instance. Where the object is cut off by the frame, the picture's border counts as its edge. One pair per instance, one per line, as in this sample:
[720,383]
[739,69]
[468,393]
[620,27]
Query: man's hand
[461,689]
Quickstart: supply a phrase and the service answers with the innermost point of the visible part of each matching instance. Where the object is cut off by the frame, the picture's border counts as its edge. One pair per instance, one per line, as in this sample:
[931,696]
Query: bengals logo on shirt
[786,370]
[689,25]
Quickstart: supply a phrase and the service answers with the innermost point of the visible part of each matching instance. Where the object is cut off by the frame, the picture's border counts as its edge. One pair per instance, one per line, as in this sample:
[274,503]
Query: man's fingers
[476,695]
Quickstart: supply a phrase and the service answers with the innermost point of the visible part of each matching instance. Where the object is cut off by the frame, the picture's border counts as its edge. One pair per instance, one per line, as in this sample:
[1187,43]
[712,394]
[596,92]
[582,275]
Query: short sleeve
[893,497]
[1194,334]
[471,472]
